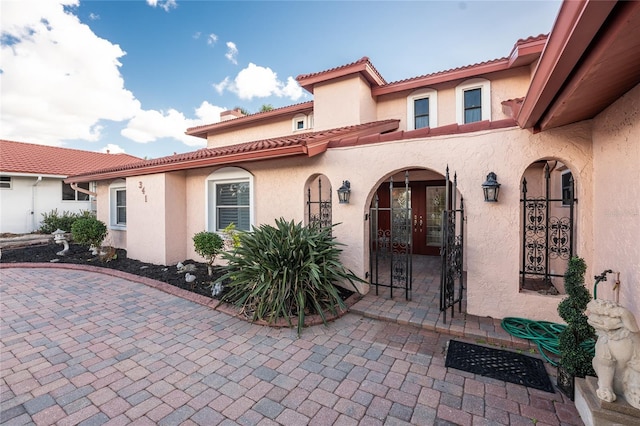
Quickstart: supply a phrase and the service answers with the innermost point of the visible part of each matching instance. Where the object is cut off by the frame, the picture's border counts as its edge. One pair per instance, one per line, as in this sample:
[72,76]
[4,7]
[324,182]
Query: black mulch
[498,364]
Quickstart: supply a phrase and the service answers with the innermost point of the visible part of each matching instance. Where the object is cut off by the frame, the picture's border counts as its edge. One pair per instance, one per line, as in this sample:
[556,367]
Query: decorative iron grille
[545,236]
[319,210]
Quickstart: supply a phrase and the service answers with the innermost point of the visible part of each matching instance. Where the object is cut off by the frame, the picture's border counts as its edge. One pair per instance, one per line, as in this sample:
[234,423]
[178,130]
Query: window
[229,199]
[118,204]
[422,106]
[5,182]
[473,101]
[70,194]
[300,122]
[567,188]
[472,105]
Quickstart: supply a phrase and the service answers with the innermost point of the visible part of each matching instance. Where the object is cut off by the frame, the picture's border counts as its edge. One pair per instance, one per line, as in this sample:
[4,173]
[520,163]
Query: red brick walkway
[85,348]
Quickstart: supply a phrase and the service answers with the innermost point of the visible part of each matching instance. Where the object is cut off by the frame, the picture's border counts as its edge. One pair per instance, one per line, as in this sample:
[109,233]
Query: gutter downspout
[75,187]
[33,202]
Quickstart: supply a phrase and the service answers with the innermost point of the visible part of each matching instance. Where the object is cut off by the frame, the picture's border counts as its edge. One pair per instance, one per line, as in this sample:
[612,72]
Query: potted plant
[576,341]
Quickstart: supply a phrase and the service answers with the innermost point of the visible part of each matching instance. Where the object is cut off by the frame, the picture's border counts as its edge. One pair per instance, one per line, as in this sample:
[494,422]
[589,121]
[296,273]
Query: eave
[591,59]
[307,145]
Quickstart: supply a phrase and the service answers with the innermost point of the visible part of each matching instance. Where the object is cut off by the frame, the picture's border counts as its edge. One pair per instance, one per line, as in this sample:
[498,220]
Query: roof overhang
[249,120]
[309,145]
[362,67]
[590,60]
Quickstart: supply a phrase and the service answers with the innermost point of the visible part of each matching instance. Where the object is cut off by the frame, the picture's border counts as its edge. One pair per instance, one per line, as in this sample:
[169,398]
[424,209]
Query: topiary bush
[89,231]
[576,341]
[208,245]
[285,271]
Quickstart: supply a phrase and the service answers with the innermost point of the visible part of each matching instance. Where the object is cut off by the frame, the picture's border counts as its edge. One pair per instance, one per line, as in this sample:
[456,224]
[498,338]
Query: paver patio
[80,347]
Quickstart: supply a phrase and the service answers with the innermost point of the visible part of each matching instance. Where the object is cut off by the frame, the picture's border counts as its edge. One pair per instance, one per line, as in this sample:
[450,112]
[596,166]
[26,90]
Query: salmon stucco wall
[343,102]
[616,146]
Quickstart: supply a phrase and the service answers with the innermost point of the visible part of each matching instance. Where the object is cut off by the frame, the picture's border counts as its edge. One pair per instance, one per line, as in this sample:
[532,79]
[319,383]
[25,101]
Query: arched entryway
[414,237]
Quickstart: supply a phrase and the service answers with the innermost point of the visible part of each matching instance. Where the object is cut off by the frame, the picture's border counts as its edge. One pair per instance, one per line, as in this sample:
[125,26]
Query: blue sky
[132,76]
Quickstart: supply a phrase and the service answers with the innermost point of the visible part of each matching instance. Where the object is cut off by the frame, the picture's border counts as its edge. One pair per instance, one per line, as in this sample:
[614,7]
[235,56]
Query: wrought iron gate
[319,211]
[452,252]
[390,241]
[546,236]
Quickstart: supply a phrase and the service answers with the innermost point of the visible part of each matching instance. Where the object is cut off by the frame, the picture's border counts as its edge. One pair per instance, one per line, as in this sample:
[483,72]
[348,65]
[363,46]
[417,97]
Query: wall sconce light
[491,188]
[344,192]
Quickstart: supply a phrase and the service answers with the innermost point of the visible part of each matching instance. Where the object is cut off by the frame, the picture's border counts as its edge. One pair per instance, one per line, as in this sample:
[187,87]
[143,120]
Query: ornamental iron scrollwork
[546,238]
[452,250]
[319,210]
[390,236]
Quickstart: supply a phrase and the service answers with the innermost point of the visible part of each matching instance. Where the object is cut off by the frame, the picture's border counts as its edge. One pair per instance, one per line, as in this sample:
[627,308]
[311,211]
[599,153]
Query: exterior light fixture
[491,188]
[344,192]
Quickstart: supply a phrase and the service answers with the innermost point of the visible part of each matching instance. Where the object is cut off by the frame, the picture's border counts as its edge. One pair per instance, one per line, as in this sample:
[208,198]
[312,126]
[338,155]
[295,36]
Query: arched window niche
[229,199]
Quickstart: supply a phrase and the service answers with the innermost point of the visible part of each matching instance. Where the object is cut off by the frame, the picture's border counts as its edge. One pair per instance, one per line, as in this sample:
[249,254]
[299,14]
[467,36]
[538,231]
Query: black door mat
[498,364]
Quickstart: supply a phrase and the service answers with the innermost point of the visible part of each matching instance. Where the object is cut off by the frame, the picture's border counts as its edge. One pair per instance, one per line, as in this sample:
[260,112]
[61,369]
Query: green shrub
[208,245]
[576,340]
[89,231]
[53,221]
[285,271]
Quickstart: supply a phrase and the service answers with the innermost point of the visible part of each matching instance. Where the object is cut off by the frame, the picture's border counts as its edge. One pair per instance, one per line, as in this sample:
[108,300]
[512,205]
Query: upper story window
[473,101]
[70,194]
[118,204]
[422,108]
[229,199]
[5,182]
[302,122]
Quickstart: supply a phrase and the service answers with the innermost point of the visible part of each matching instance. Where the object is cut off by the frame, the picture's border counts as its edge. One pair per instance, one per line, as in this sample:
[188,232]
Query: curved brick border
[214,304]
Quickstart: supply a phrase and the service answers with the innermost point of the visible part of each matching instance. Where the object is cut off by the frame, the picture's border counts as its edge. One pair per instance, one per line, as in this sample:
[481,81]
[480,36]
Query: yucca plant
[284,271]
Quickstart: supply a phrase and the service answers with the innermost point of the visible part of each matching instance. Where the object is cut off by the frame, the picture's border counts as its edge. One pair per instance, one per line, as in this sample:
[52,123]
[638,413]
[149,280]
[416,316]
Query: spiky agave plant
[284,271]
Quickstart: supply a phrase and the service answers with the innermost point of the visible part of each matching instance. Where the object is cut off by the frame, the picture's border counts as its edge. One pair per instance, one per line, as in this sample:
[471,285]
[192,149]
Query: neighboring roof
[28,158]
[306,144]
[591,59]
[362,66]
[250,120]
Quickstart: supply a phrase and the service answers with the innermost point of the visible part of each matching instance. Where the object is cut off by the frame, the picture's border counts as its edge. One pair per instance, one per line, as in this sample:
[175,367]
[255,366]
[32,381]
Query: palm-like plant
[285,271]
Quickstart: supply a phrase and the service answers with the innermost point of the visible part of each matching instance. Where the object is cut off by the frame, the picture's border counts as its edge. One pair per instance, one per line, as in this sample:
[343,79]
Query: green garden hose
[544,333]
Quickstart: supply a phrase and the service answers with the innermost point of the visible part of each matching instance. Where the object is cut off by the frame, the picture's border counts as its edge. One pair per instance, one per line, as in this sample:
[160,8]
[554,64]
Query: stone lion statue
[617,357]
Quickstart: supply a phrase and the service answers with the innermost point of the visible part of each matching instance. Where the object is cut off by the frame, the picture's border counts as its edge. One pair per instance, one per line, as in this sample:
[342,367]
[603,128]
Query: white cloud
[167,5]
[112,149]
[259,82]
[212,39]
[94,16]
[148,126]
[232,53]
[197,35]
[53,86]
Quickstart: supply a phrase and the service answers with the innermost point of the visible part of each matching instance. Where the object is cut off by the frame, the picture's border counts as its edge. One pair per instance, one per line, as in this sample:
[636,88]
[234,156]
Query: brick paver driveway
[85,348]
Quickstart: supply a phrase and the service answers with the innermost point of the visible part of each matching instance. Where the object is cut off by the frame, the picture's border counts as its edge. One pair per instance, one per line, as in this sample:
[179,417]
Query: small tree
[208,245]
[574,341]
[89,231]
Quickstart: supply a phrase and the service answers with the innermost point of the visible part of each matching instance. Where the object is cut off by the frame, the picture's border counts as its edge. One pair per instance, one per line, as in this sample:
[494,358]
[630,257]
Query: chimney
[231,114]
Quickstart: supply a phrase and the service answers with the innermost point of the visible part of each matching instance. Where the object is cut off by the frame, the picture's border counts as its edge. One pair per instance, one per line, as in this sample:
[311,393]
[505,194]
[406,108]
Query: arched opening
[547,237]
[318,208]
[416,238]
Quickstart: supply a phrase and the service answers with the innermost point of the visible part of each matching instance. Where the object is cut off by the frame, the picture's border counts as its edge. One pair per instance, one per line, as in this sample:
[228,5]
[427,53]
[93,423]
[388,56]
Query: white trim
[432,95]
[118,185]
[476,83]
[226,175]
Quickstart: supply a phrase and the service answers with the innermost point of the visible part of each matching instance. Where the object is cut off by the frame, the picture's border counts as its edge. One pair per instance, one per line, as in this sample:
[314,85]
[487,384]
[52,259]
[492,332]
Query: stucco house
[556,122]
[32,182]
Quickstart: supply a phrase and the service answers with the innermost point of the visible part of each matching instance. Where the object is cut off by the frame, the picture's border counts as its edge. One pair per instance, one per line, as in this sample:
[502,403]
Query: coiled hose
[544,333]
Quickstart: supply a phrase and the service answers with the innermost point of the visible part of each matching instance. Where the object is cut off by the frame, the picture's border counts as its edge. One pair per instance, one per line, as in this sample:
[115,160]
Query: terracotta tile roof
[362,65]
[203,130]
[21,157]
[307,144]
